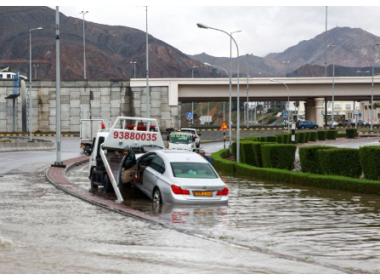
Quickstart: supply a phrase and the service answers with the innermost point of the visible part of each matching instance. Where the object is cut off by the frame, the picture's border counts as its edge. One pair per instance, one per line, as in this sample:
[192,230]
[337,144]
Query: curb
[27,146]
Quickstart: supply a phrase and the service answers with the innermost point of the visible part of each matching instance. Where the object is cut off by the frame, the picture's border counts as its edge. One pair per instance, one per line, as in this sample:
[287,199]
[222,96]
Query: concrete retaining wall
[85,99]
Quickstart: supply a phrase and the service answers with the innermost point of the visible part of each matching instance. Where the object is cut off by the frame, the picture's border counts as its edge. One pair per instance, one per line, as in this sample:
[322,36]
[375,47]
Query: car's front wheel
[316,126]
[303,127]
[157,196]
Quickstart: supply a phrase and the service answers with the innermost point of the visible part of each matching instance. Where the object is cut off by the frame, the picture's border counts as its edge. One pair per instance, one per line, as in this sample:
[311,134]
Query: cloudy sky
[265,29]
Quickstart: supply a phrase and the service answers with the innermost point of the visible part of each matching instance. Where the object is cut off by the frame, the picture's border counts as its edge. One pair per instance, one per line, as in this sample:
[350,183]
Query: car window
[158,164]
[130,161]
[146,160]
[189,131]
[194,170]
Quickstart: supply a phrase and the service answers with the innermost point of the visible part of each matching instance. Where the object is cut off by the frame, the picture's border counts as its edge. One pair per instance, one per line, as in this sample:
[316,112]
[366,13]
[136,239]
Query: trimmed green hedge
[246,152]
[278,155]
[369,160]
[322,135]
[331,134]
[263,139]
[286,138]
[280,139]
[340,161]
[250,138]
[341,135]
[313,136]
[271,138]
[309,158]
[256,147]
[231,168]
[351,132]
[301,137]
[226,167]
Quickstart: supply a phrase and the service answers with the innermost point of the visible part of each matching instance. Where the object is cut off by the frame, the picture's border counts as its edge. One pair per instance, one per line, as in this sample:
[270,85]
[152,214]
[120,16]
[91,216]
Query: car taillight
[178,190]
[223,192]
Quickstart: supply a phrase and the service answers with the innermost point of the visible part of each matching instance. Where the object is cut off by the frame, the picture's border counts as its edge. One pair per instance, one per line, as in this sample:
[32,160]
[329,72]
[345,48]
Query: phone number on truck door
[135,136]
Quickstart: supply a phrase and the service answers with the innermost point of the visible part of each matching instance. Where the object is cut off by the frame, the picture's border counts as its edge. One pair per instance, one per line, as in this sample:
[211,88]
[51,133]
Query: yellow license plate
[197,193]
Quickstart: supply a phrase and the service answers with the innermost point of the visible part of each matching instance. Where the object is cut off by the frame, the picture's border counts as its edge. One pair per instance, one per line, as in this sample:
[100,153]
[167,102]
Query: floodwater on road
[310,224]
[43,230]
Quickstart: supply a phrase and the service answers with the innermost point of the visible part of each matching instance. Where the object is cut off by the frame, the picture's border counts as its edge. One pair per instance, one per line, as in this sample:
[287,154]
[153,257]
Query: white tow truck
[105,166]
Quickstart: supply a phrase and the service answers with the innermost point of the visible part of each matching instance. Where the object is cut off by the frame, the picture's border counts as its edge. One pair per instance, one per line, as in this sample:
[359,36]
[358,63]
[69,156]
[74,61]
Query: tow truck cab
[182,141]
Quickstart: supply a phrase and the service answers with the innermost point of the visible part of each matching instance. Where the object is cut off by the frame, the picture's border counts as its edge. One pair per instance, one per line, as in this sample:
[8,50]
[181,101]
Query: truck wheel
[107,184]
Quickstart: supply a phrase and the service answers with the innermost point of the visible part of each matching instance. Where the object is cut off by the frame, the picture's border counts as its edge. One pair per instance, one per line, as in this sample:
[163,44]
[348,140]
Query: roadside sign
[285,115]
[189,115]
[360,115]
[224,126]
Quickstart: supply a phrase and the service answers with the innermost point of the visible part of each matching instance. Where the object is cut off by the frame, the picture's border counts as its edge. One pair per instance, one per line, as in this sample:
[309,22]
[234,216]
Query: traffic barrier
[7,134]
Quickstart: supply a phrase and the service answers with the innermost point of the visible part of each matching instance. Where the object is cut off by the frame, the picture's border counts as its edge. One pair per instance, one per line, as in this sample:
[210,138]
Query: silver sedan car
[179,177]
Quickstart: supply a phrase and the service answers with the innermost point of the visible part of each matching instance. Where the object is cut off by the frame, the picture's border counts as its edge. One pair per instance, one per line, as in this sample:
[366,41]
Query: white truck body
[110,147]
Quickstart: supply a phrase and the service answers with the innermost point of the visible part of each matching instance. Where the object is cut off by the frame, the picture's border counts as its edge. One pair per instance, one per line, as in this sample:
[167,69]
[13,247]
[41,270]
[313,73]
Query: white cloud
[265,29]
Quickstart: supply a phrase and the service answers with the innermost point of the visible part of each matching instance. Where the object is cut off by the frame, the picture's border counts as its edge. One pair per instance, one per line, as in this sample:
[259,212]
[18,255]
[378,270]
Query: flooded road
[308,224]
[43,230]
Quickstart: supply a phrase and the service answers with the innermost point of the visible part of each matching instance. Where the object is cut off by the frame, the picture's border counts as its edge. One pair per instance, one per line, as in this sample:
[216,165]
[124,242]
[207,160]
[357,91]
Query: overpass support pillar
[313,110]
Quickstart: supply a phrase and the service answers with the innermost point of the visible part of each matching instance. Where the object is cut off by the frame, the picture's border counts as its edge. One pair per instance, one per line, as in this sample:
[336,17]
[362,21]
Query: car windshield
[181,138]
[194,170]
[188,131]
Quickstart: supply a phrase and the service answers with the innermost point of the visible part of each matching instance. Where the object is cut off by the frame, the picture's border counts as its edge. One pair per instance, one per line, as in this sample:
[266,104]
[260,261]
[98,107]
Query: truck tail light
[223,192]
[178,190]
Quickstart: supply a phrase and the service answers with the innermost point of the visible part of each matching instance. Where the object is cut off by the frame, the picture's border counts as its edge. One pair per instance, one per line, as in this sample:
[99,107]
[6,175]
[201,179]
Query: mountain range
[110,49]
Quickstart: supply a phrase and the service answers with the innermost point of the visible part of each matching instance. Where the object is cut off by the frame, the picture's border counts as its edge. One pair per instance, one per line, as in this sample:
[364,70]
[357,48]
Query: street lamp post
[84,47]
[30,82]
[134,68]
[373,70]
[286,63]
[35,70]
[237,91]
[192,71]
[281,82]
[147,65]
[333,84]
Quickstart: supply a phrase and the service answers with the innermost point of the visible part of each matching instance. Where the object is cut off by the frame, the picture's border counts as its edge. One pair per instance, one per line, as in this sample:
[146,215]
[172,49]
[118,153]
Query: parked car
[179,177]
[330,123]
[306,124]
[195,134]
[361,122]
[346,123]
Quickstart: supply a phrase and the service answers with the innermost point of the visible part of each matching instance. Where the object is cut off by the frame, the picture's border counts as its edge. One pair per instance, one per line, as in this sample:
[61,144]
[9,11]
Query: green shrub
[369,160]
[351,132]
[278,155]
[341,135]
[340,161]
[256,147]
[308,133]
[301,137]
[322,135]
[226,167]
[271,139]
[246,152]
[331,134]
[5,140]
[308,179]
[263,139]
[309,158]
[313,136]
[286,138]
[233,148]
[250,138]
[280,139]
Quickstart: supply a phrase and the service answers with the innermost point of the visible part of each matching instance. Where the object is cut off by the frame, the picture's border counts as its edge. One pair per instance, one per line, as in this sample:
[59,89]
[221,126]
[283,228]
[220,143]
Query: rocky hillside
[109,49]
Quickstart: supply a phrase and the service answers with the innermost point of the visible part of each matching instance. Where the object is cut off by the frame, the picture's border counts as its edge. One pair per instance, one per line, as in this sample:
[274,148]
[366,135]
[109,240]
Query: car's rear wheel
[303,127]
[316,126]
[157,198]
